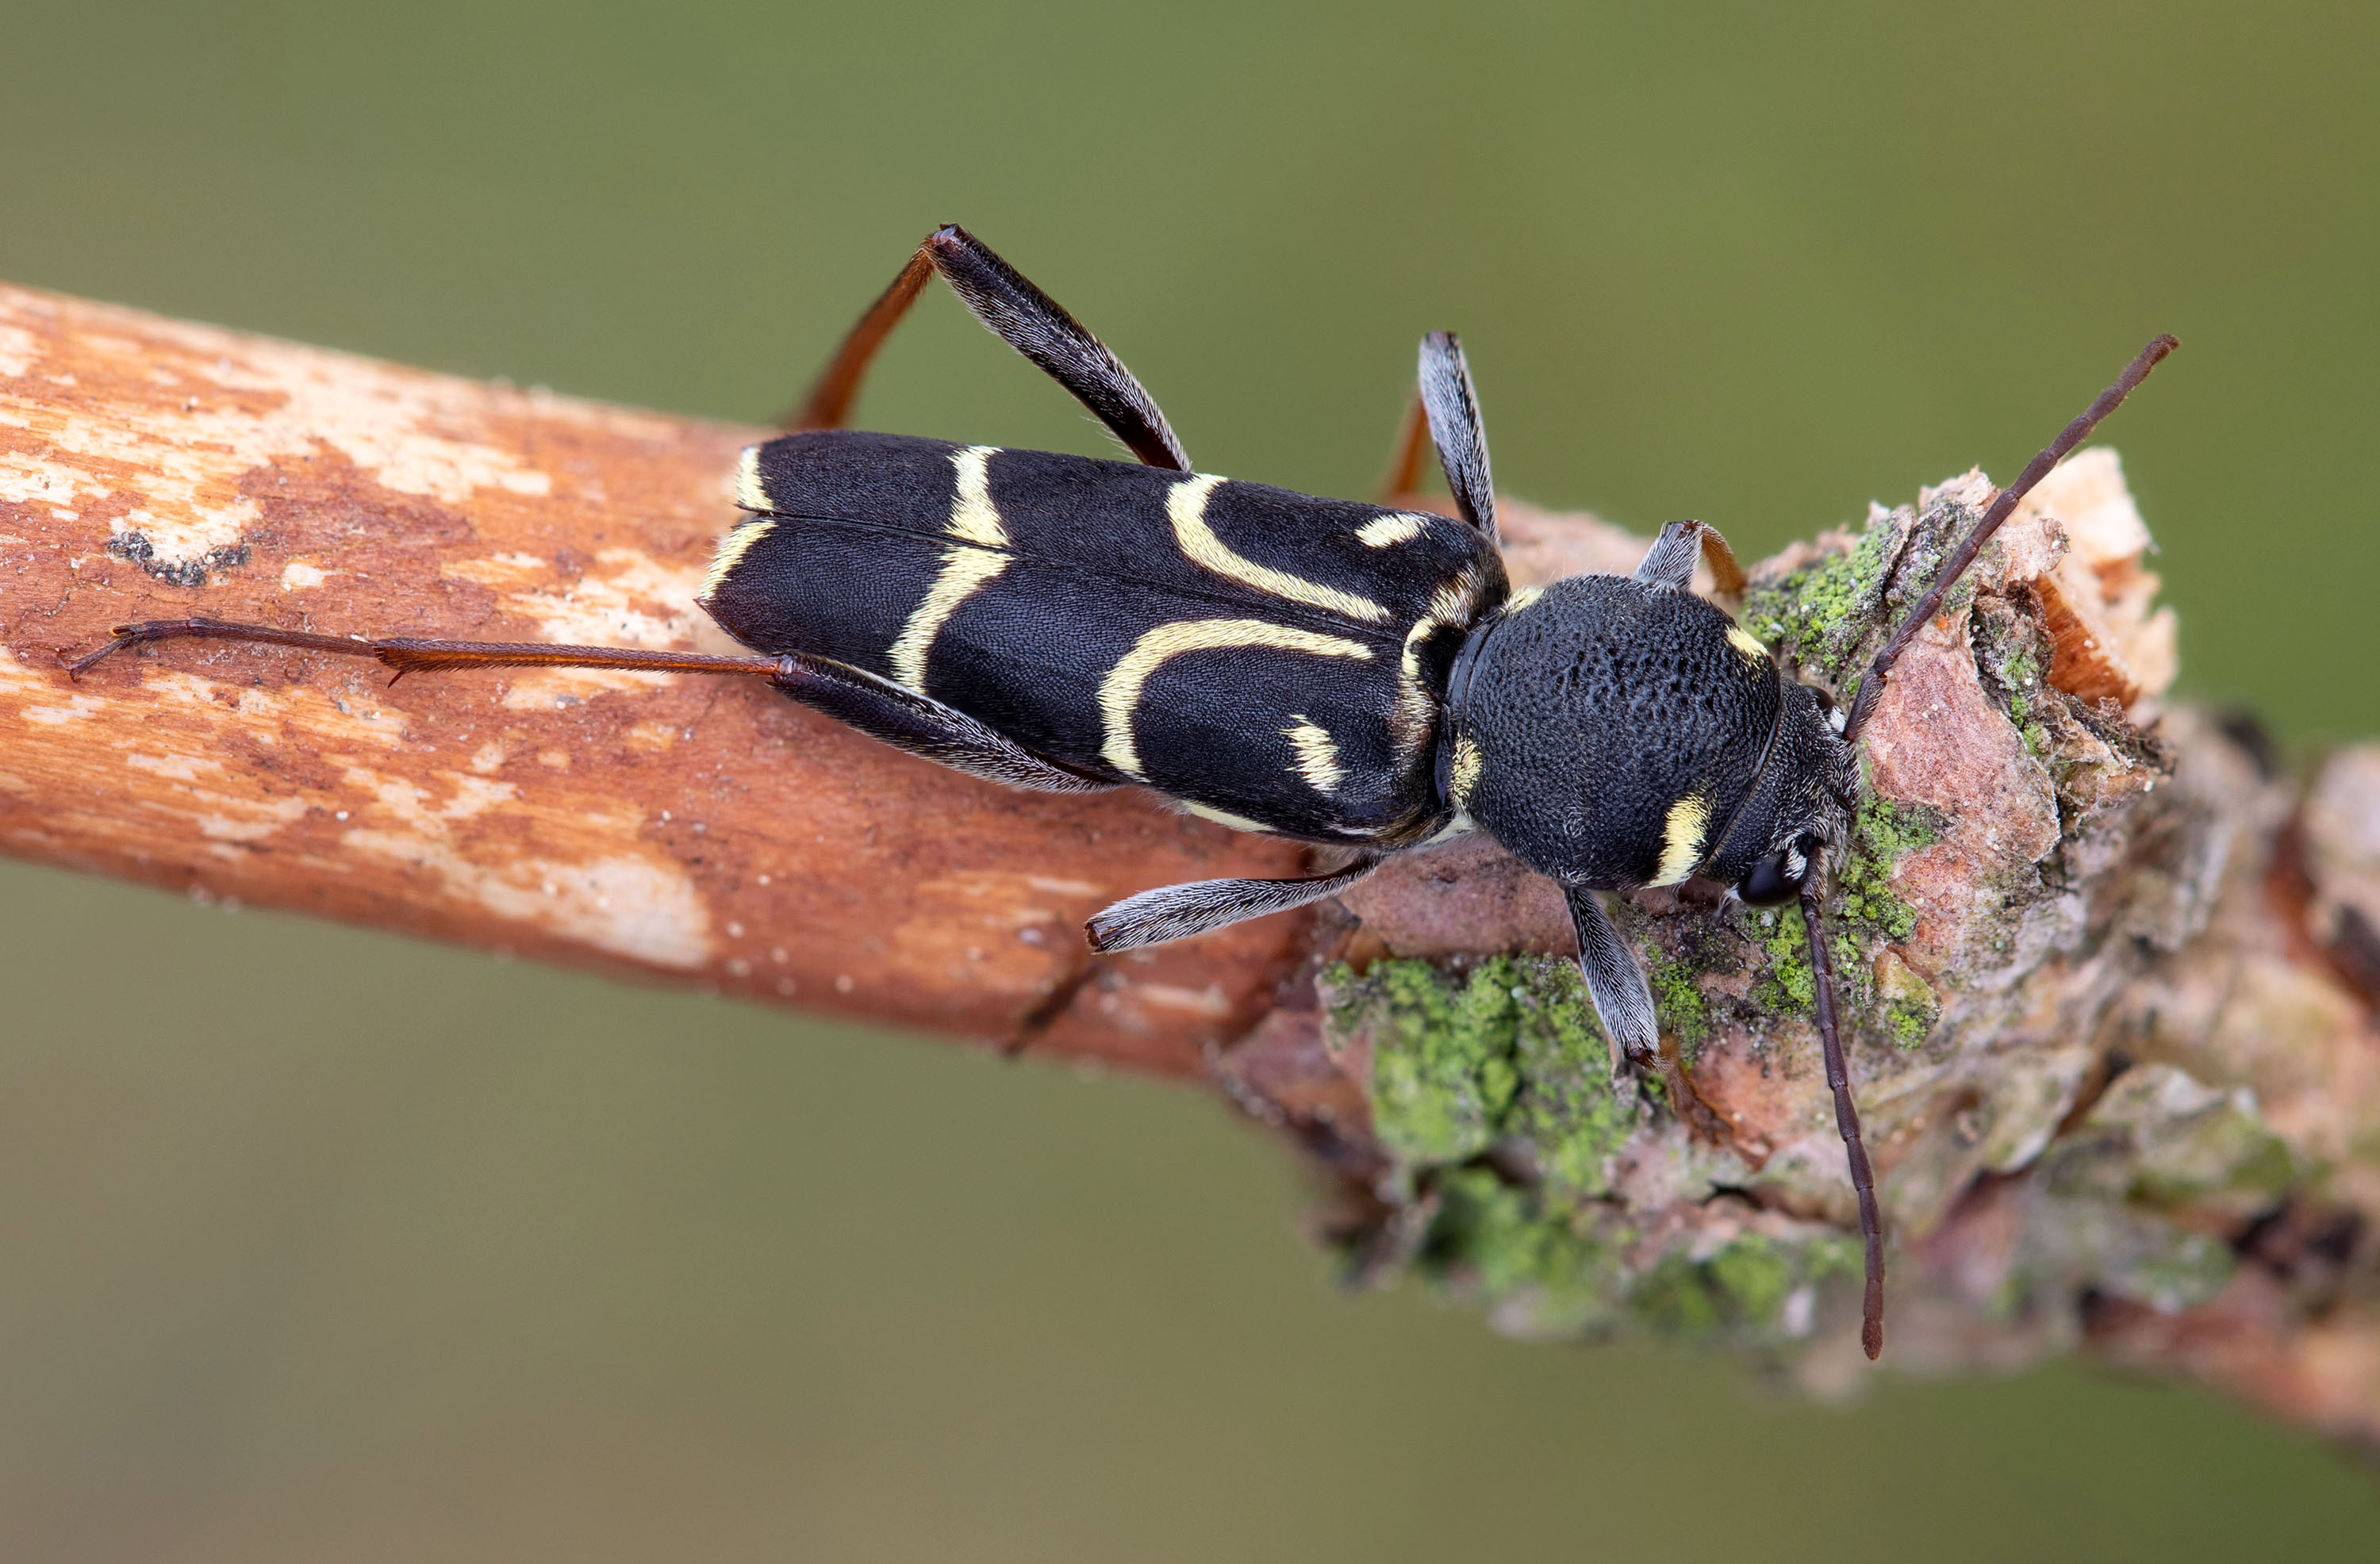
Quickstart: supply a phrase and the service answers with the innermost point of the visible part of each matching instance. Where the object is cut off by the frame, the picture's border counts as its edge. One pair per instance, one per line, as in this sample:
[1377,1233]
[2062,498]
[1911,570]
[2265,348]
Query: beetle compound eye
[1775,879]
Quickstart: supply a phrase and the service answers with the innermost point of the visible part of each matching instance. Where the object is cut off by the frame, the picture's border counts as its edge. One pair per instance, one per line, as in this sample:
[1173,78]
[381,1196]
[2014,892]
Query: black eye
[1777,878]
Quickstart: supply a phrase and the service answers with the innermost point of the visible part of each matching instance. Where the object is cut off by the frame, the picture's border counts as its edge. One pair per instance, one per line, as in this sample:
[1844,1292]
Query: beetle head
[1798,816]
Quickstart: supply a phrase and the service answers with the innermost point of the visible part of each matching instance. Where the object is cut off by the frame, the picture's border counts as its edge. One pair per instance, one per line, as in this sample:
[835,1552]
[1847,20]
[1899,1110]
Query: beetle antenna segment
[1822,972]
[1872,684]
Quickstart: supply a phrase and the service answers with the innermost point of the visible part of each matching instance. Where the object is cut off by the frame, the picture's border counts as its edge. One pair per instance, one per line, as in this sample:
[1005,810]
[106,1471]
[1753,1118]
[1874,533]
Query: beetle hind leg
[923,726]
[879,707]
[1019,314]
[1623,999]
[1446,410]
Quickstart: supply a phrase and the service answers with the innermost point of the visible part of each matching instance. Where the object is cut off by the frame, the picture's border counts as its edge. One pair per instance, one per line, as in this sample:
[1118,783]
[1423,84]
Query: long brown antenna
[1822,972]
[1872,685]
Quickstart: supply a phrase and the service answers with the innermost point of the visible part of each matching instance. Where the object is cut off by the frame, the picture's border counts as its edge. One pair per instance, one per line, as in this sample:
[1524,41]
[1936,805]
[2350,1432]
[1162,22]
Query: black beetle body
[1353,675]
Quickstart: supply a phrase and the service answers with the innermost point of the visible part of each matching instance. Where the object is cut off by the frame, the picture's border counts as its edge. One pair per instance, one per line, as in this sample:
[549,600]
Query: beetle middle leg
[1623,1000]
[1019,314]
[1178,911]
[1671,561]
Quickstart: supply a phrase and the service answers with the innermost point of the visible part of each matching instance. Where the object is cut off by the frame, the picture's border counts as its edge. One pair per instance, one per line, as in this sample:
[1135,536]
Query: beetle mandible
[1352,675]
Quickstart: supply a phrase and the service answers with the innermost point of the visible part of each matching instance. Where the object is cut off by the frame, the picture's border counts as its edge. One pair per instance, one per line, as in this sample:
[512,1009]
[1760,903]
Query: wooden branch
[669,829]
[2111,973]
[2112,978]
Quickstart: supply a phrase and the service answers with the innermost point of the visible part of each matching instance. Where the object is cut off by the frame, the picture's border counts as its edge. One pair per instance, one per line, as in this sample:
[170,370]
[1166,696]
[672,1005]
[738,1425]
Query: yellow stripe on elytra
[1681,839]
[1120,691]
[1382,531]
[976,523]
[965,572]
[1450,606]
[1745,642]
[730,554]
[1186,508]
[750,494]
[1318,753]
[973,518]
[1225,818]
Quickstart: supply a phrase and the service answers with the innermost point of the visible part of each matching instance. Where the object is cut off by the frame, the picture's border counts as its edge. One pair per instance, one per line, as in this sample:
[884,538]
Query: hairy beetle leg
[1019,314]
[877,707]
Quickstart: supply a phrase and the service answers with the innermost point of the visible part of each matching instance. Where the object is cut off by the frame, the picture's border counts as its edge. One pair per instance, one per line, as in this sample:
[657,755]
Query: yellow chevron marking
[966,566]
[749,495]
[1225,818]
[1186,508]
[965,572]
[1318,753]
[1382,531]
[1745,642]
[1521,597]
[1451,606]
[1681,839]
[972,516]
[730,553]
[1120,691]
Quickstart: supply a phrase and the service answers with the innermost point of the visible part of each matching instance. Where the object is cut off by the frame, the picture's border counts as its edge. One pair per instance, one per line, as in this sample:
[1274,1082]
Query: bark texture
[2112,969]
[672,829]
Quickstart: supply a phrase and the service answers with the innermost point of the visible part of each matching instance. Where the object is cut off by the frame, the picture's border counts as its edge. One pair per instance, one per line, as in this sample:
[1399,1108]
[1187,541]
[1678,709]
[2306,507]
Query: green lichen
[1566,1111]
[1492,1088]
[1543,1271]
[1684,1013]
[1754,1276]
[1546,1273]
[1741,1291]
[2163,1141]
[1788,983]
[1443,1069]
[1820,614]
[1908,1024]
[1882,831]
[2189,1271]
[1509,1052]
[1676,1297]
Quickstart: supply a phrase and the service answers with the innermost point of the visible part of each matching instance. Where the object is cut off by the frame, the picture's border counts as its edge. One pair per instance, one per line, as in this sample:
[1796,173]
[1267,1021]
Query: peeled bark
[2111,972]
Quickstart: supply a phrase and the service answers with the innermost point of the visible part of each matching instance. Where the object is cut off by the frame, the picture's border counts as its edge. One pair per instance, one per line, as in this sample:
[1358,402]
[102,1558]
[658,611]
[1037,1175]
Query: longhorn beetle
[1351,675]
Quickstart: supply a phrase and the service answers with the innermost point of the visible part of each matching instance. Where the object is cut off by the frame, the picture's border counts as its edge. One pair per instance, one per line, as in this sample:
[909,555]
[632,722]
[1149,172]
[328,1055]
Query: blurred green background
[315,1243]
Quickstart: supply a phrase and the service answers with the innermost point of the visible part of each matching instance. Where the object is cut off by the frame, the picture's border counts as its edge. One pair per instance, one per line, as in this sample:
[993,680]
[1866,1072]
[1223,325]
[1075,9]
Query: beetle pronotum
[1353,675]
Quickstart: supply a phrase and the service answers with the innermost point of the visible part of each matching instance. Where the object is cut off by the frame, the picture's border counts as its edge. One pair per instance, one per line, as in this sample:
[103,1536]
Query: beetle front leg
[1623,1000]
